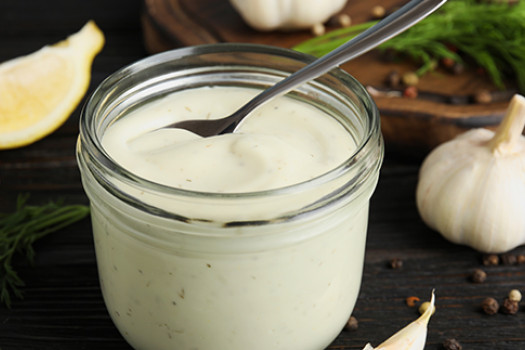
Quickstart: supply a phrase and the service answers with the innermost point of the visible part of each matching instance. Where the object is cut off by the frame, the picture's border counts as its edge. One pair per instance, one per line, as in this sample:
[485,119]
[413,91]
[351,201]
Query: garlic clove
[411,337]
[472,188]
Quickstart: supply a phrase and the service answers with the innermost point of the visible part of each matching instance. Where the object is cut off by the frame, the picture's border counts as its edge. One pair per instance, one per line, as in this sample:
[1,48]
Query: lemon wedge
[38,92]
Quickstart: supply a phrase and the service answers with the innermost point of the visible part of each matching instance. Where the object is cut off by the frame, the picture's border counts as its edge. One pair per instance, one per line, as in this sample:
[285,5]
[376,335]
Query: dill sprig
[491,34]
[20,229]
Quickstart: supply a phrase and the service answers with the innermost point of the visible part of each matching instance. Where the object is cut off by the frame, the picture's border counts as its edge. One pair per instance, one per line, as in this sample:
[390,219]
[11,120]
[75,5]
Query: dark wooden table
[63,306]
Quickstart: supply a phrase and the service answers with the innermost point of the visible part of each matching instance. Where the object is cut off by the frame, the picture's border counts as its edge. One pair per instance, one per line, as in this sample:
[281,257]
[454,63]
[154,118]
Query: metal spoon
[400,20]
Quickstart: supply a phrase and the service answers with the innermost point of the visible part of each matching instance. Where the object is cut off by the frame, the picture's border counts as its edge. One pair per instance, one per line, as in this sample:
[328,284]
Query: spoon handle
[397,22]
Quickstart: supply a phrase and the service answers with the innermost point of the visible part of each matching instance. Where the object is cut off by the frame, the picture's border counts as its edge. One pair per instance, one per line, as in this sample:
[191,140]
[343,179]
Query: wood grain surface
[445,106]
[63,308]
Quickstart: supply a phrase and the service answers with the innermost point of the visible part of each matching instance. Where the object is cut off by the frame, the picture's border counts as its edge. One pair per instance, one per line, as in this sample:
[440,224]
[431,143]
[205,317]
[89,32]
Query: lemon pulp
[39,91]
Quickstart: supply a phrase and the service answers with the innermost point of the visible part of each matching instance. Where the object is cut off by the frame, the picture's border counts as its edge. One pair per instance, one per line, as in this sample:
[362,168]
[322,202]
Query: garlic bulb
[472,189]
[266,15]
[412,337]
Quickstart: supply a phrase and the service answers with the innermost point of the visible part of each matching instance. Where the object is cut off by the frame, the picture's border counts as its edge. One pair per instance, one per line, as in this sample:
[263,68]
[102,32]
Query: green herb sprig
[20,229]
[492,34]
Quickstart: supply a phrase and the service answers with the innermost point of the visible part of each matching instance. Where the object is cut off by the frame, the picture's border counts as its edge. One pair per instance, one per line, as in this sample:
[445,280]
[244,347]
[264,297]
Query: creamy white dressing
[284,142]
[292,286]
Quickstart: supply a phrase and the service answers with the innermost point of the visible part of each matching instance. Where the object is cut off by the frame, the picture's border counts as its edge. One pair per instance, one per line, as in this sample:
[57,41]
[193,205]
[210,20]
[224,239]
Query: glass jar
[176,275]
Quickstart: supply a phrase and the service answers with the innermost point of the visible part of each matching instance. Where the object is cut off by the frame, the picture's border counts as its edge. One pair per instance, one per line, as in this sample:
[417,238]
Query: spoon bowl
[400,20]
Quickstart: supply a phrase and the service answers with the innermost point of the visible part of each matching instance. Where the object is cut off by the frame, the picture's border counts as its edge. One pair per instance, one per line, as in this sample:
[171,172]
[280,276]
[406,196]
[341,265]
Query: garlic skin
[268,15]
[411,337]
[472,189]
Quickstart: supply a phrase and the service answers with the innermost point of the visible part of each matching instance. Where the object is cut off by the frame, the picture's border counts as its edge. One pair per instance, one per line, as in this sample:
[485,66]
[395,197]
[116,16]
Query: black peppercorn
[510,307]
[490,260]
[448,62]
[352,324]
[452,344]
[509,259]
[393,79]
[490,306]
[458,68]
[478,276]
[396,263]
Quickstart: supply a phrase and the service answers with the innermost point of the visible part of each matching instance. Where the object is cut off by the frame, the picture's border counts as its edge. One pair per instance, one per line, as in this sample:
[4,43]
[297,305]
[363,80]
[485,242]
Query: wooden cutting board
[445,105]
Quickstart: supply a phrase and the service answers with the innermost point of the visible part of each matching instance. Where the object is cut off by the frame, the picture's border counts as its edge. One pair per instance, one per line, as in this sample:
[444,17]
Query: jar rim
[87,141]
